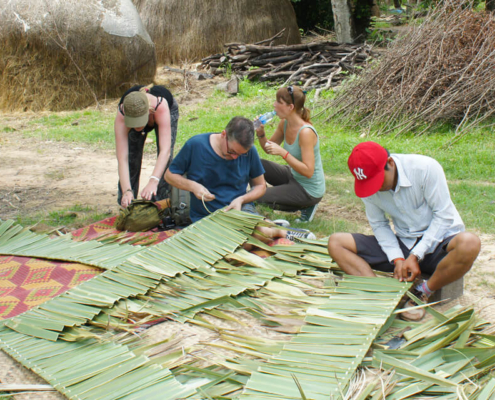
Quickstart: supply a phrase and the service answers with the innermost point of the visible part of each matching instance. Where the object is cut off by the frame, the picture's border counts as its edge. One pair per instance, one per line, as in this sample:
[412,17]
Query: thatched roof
[65,54]
[193,29]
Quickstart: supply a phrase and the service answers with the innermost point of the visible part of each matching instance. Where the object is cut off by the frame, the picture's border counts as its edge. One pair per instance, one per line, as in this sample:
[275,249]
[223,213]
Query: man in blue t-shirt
[219,167]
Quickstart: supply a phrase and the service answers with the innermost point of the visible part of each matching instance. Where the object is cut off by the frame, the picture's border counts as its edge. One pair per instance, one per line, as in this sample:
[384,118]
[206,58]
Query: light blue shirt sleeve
[437,197]
[382,231]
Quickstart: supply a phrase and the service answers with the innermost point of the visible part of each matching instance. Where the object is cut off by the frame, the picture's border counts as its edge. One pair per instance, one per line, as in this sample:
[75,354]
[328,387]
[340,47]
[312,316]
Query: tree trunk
[375,9]
[344,23]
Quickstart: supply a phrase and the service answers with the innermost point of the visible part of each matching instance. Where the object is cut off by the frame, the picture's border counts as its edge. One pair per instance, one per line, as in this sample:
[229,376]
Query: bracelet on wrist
[155,178]
[129,190]
[261,136]
[398,259]
[286,154]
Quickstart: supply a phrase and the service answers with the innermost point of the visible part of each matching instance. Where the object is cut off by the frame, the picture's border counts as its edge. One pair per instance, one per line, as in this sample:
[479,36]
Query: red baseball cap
[367,164]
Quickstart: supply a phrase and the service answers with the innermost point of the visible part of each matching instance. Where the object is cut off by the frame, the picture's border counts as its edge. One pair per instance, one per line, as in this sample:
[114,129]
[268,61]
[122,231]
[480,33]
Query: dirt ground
[39,176]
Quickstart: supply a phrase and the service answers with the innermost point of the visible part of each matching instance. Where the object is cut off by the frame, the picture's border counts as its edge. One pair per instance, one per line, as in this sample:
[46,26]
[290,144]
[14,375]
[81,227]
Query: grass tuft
[75,217]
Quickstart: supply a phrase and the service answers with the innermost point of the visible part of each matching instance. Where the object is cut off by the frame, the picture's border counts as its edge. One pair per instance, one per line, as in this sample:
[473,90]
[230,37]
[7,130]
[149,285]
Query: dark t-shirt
[226,179]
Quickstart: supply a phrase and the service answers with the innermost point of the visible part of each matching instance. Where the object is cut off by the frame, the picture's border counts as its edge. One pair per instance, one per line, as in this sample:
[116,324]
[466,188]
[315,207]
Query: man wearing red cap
[429,233]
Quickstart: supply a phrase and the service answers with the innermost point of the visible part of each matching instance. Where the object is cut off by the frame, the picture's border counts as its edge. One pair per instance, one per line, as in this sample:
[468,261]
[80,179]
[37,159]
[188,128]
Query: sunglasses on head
[290,89]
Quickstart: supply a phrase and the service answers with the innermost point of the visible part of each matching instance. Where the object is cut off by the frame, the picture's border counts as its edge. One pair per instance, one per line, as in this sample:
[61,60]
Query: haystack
[190,30]
[68,54]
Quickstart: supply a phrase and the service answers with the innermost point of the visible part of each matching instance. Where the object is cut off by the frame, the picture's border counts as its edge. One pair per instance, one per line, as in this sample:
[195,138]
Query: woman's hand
[274,149]
[127,198]
[150,189]
[260,131]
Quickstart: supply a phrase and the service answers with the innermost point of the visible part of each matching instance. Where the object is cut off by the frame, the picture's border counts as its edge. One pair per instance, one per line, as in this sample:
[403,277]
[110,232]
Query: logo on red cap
[359,174]
[367,164]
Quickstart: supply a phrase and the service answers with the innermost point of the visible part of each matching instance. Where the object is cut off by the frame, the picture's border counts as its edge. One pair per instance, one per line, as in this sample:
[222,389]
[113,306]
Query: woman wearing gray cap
[140,111]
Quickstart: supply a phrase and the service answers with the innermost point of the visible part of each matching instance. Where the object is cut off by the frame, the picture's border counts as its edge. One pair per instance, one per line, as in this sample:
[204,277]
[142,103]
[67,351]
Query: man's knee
[340,241]
[467,246]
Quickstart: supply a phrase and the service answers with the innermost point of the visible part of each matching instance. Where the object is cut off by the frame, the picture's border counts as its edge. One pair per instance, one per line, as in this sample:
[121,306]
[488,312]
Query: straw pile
[441,71]
[61,55]
[185,31]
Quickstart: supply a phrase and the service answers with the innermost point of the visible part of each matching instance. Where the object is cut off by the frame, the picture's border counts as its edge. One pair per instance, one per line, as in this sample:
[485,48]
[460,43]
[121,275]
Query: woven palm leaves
[289,326]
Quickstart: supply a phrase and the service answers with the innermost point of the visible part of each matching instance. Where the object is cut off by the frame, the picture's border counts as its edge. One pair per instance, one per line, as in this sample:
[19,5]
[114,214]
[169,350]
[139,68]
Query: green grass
[74,217]
[381,24]
[213,115]
[476,204]
[88,127]
[468,163]
[470,158]
[96,127]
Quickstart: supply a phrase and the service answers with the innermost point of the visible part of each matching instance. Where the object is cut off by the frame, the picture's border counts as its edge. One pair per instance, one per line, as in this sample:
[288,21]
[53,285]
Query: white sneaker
[295,233]
[282,222]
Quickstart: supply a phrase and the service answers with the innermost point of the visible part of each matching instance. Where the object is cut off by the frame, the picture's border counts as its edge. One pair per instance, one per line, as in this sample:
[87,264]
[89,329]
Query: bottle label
[263,119]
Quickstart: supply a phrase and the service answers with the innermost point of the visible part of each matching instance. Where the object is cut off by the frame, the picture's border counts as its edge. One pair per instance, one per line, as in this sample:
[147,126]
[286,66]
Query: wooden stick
[272,39]
[14,387]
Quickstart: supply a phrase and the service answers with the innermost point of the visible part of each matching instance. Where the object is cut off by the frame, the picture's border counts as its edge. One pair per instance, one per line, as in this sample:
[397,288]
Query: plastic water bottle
[264,119]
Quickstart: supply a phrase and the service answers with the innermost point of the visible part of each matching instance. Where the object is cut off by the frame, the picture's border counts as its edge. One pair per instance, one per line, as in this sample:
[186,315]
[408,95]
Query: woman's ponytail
[305,114]
[146,89]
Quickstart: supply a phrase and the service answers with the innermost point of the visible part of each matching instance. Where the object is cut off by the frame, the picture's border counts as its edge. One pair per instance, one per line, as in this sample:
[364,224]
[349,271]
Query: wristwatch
[417,257]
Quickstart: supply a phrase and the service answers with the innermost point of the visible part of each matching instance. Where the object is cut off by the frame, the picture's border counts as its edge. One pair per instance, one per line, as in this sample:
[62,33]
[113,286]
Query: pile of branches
[442,71]
[320,64]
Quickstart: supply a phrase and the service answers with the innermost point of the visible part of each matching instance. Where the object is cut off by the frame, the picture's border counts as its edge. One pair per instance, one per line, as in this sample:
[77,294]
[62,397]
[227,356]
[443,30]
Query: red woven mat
[26,282]
[105,229]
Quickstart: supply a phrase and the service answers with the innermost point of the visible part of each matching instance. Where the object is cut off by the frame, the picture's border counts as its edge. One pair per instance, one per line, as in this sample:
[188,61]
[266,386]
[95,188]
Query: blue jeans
[249,208]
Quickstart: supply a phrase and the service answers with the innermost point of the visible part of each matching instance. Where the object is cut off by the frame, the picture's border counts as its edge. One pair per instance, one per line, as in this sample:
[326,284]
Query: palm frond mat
[237,326]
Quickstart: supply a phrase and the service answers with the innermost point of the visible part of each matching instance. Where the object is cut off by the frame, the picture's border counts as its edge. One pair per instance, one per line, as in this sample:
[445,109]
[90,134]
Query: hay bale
[66,54]
[186,31]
